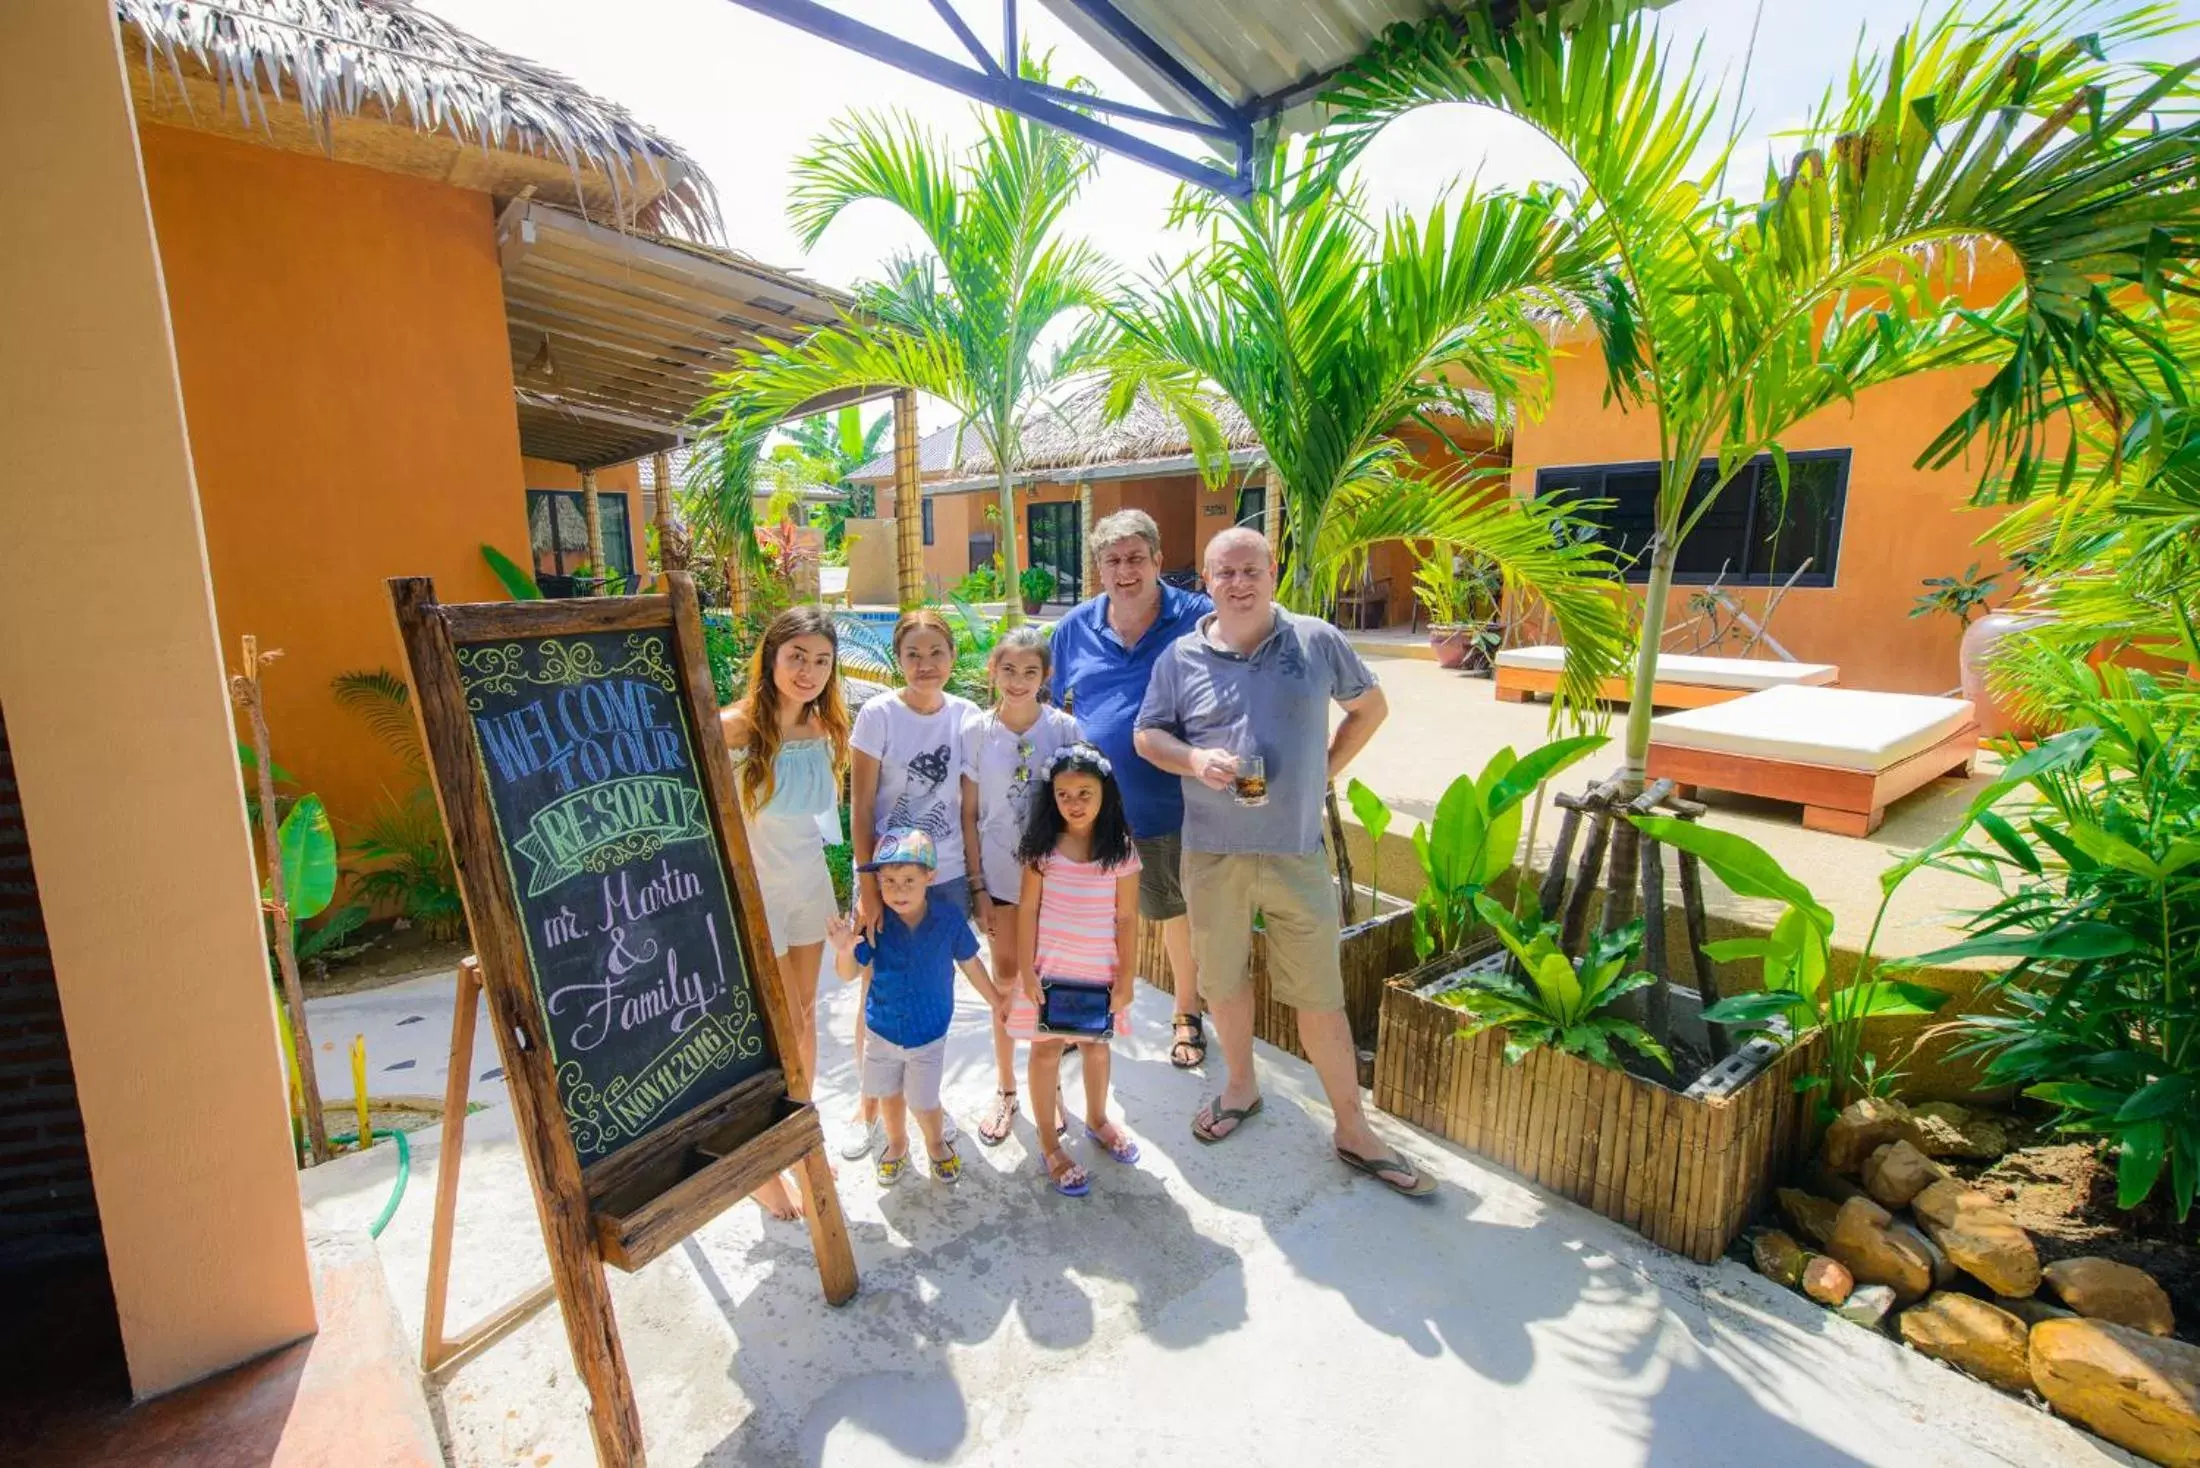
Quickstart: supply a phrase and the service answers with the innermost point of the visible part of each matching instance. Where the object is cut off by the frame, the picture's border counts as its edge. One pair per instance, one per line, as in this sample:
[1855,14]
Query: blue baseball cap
[903,848]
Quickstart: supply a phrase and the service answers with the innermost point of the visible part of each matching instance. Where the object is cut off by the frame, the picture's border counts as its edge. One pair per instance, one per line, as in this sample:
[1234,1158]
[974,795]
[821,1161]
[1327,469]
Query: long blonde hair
[758,775]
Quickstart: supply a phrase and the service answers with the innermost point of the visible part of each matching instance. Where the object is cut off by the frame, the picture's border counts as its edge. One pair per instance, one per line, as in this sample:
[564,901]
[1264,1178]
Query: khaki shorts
[1160,886]
[1298,905]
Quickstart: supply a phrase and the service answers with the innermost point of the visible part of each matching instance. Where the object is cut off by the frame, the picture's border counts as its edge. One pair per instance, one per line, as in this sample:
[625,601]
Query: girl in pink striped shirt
[1081,882]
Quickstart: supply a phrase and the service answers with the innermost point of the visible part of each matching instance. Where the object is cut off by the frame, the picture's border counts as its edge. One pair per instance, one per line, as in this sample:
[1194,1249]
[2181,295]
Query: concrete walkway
[1244,1303]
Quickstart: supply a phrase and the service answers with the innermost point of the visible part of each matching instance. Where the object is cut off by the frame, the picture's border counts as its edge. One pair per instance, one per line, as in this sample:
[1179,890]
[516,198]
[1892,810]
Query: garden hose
[404,1170]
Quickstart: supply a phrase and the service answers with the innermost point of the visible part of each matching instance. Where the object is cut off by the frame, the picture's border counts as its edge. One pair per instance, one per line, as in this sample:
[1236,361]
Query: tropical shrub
[1554,1001]
[1037,583]
[1472,839]
[2099,911]
[982,584]
[403,836]
[1796,957]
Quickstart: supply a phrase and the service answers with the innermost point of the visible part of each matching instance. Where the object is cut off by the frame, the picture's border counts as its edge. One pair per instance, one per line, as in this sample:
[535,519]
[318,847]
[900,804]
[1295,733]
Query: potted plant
[1458,590]
[1959,597]
[1037,584]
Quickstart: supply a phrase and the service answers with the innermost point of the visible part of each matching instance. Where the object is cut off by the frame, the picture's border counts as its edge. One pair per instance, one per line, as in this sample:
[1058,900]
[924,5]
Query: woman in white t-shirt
[905,773]
[1005,754]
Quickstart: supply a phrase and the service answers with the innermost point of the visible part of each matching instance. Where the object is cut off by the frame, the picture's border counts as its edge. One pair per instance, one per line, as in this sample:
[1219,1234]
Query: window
[557,526]
[928,521]
[1752,533]
[1252,507]
[983,547]
[1058,543]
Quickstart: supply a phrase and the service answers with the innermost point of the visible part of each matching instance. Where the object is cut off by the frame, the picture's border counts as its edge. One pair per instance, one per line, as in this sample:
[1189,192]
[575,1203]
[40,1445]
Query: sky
[747,95]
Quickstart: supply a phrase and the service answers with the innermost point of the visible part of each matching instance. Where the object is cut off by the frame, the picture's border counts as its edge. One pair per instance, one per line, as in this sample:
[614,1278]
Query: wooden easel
[633,1203]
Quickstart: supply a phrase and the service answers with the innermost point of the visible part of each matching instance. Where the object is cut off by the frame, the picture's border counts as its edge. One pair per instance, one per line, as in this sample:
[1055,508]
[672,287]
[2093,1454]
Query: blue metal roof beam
[1054,106]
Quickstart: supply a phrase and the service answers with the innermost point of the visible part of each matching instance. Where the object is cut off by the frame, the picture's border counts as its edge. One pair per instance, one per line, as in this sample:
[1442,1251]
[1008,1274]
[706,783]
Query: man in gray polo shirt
[1253,679]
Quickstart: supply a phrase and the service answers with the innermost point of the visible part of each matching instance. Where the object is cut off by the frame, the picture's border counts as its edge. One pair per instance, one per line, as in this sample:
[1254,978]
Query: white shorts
[910,1073]
[791,871]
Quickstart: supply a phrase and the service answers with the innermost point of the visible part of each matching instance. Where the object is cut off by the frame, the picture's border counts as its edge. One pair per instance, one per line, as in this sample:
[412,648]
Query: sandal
[1190,1047]
[1070,1180]
[1123,1149]
[1214,1114]
[890,1169]
[949,1168]
[995,1128]
[1392,1172]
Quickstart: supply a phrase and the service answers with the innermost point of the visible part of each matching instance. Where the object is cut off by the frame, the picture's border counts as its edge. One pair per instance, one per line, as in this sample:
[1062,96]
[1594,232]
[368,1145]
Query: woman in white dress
[789,734]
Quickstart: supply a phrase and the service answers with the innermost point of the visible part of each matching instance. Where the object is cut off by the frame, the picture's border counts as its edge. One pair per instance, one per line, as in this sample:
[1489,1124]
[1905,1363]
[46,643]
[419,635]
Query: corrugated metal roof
[1261,56]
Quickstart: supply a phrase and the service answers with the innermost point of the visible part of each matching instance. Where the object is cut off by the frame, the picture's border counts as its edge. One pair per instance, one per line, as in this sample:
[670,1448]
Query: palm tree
[1333,337]
[967,320]
[826,448]
[2005,130]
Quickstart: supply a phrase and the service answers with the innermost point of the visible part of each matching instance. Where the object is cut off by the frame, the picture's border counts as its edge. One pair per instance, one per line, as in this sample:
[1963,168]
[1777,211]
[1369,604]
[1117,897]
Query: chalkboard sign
[634,952]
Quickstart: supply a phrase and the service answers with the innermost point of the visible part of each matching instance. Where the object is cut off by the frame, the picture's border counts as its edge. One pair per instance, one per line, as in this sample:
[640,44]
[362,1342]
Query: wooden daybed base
[1518,685]
[1844,801]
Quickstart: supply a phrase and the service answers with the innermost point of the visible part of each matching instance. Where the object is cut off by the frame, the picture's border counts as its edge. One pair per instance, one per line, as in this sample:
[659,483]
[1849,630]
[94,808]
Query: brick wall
[46,1207]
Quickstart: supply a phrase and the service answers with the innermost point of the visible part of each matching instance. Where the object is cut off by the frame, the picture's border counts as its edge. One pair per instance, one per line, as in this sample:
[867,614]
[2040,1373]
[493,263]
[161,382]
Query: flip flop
[1388,1171]
[1214,1114]
[1073,1183]
[995,1128]
[1124,1150]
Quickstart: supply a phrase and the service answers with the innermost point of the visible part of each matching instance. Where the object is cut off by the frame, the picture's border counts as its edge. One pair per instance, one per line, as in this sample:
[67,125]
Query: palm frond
[384,701]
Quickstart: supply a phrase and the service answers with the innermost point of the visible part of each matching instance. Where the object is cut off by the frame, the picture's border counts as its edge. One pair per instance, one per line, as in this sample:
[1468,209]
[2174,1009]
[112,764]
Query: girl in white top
[789,734]
[906,774]
[1005,755]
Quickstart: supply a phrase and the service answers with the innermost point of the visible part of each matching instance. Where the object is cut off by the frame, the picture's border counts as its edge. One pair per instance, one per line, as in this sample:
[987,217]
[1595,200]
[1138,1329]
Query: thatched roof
[1073,436]
[341,74]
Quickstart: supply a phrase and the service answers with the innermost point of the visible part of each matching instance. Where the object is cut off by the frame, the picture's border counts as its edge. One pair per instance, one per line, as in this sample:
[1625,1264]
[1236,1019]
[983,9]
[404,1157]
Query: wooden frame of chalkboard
[576,757]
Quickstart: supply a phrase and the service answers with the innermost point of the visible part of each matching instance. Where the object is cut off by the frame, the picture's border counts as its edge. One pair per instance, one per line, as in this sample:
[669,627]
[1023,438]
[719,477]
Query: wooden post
[245,689]
[660,472]
[591,508]
[1086,569]
[909,503]
[491,912]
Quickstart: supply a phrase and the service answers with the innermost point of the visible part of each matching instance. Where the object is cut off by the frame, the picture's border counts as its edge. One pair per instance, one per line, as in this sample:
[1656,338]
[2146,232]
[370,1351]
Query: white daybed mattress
[1705,672]
[1846,728]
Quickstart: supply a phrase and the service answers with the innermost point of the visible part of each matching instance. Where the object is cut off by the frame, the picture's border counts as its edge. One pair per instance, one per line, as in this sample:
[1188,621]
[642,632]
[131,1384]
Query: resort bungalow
[298,298]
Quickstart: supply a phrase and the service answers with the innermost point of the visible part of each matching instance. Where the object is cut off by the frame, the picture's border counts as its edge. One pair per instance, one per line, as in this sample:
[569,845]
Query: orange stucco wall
[348,387]
[110,670]
[1900,525]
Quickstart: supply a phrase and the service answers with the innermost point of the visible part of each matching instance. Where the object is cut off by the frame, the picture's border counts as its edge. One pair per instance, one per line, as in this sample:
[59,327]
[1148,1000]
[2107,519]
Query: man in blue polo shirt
[1104,652]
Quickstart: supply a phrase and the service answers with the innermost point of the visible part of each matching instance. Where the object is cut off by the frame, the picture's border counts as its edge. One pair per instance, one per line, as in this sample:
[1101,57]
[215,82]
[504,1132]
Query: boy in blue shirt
[911,956]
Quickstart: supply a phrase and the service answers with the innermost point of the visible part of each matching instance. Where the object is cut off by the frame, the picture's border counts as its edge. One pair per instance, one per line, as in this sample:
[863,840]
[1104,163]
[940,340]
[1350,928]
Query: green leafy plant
[1956,596]
[308,849]
[518,582]
[403,836]
[329,937]
[1374,818]
[1796,958]
[1455,588]
[1037,583]
[982,584]
[1552,1000]
[1471,841]
[2099,917]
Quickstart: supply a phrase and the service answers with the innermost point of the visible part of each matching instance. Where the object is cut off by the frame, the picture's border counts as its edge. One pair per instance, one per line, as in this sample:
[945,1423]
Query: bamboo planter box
[1369,952]
[1684,1173]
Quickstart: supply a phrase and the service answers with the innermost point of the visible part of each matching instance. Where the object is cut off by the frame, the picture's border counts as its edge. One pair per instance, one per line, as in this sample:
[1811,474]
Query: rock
[2106,1290]
[2139,1391]
[1866,1305]
[1778,1257]
[1862,1126]
[1979,1238]
[1896,1172]
[1944,1269]
[1827,1281]
[1940,1202]
[2032,1309]
[1950,1131]
[1826,1183]
[1983,1339]
[1874,1255]
[1812,1216]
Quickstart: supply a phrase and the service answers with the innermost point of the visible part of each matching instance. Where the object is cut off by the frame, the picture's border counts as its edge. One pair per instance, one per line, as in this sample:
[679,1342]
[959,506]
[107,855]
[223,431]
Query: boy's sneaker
[891,1169]
[861,1144]
[947,1169]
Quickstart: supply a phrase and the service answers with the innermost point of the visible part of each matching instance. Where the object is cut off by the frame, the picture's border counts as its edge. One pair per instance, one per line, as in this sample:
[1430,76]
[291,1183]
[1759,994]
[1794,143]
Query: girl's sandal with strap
[995,1128]
[1124,1149]
[1069,1179]
[1189,1051]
